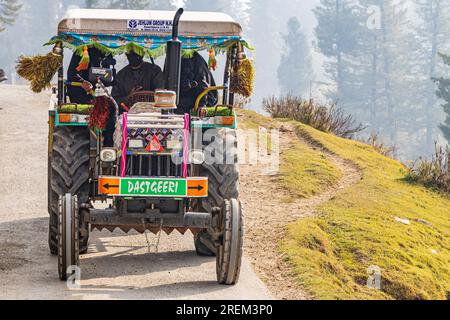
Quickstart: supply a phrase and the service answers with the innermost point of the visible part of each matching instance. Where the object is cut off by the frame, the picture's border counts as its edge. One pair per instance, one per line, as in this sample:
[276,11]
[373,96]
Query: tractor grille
[152,166]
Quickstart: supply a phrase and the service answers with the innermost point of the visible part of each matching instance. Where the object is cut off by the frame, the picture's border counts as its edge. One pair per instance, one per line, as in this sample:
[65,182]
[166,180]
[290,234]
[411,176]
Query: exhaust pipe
[172,70]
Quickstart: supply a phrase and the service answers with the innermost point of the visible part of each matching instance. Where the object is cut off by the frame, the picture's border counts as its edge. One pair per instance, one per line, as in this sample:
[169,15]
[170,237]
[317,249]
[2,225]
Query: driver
[137,76]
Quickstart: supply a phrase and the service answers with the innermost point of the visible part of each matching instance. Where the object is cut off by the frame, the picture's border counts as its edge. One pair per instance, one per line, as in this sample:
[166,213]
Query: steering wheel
[140,96]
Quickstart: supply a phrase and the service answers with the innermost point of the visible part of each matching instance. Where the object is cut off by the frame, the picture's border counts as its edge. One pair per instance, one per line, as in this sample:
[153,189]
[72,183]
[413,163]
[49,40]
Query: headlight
[196,157]
[108,155]
[174,144]
[135,144]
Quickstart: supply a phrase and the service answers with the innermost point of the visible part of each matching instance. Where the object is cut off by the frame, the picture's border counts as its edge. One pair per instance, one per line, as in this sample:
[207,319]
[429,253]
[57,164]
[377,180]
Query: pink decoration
[124,144]
[186,145]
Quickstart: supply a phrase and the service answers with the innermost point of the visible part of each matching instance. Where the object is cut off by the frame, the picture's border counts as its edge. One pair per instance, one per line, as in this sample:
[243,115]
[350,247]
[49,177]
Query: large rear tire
[204,245]
[69,174]
[229,256]
[68,231]
[223,181]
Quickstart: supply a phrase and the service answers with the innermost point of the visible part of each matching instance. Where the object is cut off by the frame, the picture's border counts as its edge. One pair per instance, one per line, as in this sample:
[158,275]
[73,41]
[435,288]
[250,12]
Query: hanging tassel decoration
[243,78]
[85,60]
[212,63]
[40,70]
[99,114]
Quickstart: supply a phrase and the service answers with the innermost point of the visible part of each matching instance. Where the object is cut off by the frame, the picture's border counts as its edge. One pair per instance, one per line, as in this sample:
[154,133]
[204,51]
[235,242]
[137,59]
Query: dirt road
[118,265]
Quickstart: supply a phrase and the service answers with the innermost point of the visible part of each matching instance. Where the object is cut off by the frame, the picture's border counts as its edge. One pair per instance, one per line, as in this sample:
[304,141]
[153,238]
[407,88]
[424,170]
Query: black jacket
[150,77]
[77,94]
[195,71]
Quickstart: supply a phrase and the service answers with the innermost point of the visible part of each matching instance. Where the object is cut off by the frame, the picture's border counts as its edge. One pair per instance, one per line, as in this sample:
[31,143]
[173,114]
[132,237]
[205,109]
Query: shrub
[326,118]
[434,173]
[376,142]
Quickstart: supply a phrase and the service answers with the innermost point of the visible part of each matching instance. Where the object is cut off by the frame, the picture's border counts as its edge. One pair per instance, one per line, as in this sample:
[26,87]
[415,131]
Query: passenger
[81,95]
[195,78]
[137,76]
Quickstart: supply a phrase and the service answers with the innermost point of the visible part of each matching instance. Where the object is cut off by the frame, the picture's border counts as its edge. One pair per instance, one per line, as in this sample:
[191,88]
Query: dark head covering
[77,94]
[195,78]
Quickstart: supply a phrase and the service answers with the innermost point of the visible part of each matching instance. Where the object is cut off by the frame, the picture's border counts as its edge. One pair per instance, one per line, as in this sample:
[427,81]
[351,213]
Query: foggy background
[374,58]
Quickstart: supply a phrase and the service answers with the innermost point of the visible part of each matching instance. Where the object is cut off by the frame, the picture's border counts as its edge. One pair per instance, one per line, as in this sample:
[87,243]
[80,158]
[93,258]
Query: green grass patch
[357,229]
[248,119]
[306,172]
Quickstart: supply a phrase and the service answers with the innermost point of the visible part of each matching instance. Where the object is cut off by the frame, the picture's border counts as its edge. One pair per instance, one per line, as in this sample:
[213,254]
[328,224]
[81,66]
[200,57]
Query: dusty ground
[118,266]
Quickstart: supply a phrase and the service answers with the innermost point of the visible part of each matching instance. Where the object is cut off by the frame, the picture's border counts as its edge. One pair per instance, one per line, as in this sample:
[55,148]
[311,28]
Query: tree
[90,4]
[9,9]
[443,93]
[337,34]
[130,4]
[369,63]
[431,34]
[295,72]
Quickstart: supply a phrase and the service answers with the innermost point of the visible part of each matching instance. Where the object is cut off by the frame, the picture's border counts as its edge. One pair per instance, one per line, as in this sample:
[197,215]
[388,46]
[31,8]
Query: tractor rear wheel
[68,231]
[69,174]
[223,180]
[229,256]
[204,245]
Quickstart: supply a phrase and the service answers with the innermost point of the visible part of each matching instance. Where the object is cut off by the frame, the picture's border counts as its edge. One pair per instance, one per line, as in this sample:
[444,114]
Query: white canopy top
[139,22]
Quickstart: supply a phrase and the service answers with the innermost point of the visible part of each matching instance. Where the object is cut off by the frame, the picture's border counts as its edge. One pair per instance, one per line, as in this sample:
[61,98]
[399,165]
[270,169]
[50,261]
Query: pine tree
[130,4]
[9,9]
[202,5]
[337,38]
[370,66]
[432,35]
[90,4]
[443,93]
[295,72]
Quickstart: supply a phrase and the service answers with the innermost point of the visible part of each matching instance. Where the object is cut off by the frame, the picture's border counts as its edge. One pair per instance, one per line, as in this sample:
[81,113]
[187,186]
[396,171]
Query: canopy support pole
[226,79]
[61,89]
[234,52]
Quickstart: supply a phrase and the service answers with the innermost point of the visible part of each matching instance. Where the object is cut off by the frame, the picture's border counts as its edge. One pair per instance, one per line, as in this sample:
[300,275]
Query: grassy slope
[304,171]
[331,253]
[357,229]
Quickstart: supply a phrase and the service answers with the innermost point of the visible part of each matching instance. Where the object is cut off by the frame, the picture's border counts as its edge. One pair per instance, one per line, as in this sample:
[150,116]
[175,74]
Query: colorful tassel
[85,60]
[212,63]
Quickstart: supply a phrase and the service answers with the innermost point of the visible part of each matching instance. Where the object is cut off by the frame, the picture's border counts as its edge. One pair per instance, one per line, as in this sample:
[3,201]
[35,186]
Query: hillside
[348,210]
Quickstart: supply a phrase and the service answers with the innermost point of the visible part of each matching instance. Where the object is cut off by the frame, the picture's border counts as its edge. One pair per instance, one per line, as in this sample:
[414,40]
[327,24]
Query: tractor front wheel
[223,180]
[229,255]
[68,231]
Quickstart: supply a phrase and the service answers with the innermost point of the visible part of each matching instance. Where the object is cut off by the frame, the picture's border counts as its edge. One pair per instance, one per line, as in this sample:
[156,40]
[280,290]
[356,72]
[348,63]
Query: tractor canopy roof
[145,32]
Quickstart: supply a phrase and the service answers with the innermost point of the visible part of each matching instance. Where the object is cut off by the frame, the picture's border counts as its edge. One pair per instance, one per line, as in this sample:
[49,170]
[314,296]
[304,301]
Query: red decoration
[155,145]
[99,115]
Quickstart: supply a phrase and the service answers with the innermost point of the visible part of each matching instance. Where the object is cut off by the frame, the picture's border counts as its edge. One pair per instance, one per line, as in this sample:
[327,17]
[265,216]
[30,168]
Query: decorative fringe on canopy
[143,51]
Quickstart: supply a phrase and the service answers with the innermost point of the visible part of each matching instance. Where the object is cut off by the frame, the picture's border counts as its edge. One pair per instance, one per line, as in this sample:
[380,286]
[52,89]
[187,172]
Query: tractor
[167,171]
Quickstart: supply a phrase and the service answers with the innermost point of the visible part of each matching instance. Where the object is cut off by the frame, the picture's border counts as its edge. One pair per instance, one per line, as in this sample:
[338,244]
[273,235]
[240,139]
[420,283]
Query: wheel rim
[230,250]
[68,229]
[68,250]
[235,229]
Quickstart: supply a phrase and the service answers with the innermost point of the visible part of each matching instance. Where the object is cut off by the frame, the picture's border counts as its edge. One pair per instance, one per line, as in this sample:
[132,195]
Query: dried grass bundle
[243,79]
[39,70]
